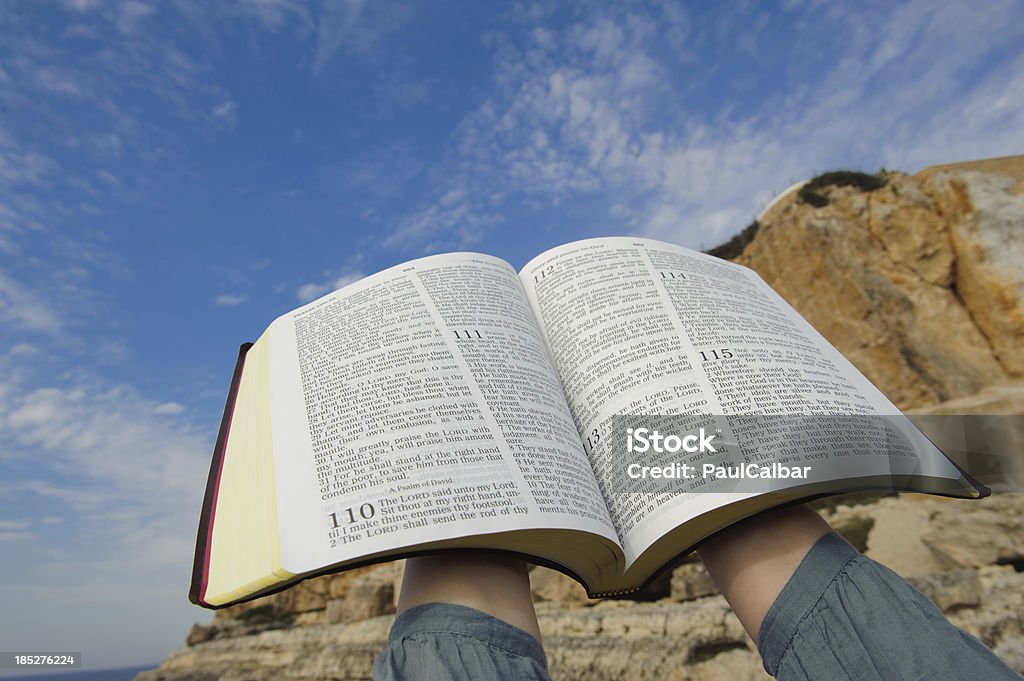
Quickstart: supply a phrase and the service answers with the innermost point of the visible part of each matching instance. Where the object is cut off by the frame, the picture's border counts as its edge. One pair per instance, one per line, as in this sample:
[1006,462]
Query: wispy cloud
[168,408]
[27,167]
[337,25]
[14,530]
[94,449]
[116,480]
[314,290]
[23,309]
[23,350]
[457,220]
[132,14]
[273,15]
[376,178]
[7,525]
[229,299]
[604,109]
[355,27]
[225,113]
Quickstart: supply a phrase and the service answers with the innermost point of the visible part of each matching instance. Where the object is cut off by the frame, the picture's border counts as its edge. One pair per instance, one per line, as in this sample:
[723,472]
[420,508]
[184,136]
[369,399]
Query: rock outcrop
[920,283]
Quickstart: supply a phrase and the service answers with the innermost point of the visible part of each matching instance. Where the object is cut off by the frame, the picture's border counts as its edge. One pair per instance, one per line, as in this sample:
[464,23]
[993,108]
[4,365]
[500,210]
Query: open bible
[450,402]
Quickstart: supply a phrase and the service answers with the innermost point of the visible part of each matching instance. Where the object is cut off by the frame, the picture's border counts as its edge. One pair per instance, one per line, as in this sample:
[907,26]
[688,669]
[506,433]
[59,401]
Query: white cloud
[58,81]
[14,524]
[82,5]
[109,178]
[168,408]
[111,436]
[452,197]
[122,479]
[29,167]
[23,349]
[229,299]
[24,309]
[132,15]
[338,25]
[117,470]
[355,27]
[312,291]
[226,112]
[274,14]
[613,110]
[447,224]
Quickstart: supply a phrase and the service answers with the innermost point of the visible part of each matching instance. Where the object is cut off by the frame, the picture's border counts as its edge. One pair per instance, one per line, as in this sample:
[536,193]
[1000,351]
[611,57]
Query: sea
[122,674]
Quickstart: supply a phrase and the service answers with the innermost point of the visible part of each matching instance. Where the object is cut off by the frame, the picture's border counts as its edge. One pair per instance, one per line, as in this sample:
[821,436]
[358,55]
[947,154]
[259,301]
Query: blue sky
[175,175]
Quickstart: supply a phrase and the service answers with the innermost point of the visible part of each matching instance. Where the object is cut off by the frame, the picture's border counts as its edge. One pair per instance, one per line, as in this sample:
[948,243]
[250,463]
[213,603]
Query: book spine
[201,563]
[615,592]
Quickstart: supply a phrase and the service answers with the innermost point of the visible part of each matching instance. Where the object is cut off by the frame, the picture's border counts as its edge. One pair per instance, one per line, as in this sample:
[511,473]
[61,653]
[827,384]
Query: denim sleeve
[442,641]
[845,616]
[840,616]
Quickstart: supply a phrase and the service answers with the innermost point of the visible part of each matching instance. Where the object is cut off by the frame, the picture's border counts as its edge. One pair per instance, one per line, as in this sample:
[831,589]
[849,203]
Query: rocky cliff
[920,282]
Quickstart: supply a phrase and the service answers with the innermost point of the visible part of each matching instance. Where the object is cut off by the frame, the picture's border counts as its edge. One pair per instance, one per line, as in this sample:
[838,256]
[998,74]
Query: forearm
[752,560]
[493,583]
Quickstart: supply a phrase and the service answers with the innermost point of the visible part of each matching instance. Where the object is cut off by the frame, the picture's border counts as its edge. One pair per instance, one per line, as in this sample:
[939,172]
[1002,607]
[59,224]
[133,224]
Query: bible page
[419,404]
[645,329]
